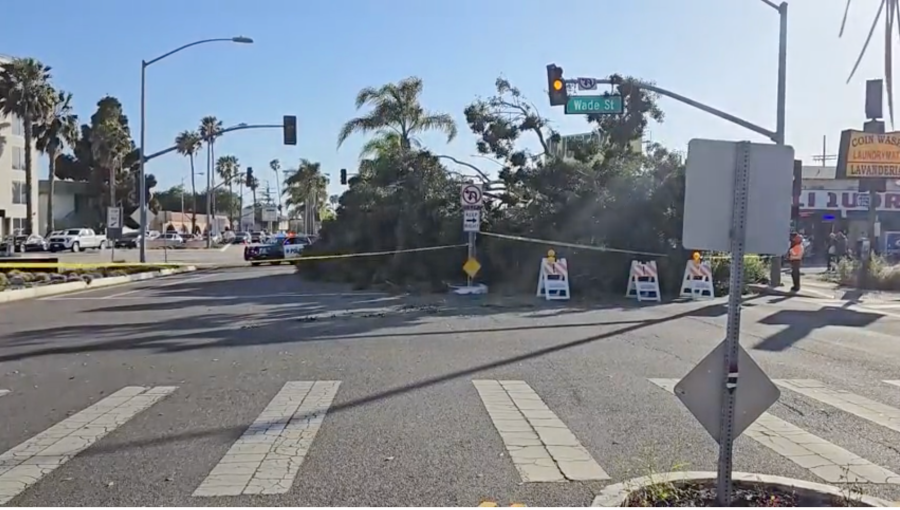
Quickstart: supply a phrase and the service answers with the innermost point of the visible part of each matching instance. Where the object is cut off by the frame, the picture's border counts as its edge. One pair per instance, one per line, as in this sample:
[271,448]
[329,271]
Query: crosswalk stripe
[25,464]
[875,412]
[895,383]
[542,448]
[3,393]
[824,459]
[267,457]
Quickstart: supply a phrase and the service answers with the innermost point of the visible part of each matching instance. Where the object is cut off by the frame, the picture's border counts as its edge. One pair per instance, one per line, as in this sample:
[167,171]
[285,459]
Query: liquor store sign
[869,155]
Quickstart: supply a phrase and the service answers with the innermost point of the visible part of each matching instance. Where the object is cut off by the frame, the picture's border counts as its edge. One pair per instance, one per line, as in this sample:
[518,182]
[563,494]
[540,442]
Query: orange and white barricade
[553,278]
[698,281]
[643,281]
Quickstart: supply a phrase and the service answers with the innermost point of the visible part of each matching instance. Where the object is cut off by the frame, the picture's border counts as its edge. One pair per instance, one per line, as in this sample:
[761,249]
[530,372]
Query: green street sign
[599,105]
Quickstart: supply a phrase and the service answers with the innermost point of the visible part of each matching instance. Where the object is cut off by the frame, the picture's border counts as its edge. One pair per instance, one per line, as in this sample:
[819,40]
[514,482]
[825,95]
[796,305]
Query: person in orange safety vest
[795,257]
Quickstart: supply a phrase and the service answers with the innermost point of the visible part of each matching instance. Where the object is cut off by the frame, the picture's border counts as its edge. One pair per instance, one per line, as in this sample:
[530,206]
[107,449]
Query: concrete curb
[615,495]
[10,296]
[777,291]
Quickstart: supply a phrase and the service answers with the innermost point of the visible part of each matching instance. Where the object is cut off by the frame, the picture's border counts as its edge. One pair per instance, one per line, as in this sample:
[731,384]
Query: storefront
[823,211]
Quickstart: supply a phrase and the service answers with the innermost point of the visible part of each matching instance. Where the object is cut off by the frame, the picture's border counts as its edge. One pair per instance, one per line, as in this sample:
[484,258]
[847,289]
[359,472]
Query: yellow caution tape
[571,245]
[164,265]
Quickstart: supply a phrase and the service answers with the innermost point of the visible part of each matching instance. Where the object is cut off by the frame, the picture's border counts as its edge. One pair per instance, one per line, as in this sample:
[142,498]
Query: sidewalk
[815,287]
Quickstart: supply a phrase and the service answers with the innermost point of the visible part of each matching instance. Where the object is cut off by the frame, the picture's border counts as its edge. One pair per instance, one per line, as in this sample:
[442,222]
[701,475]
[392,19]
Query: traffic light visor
[558,85]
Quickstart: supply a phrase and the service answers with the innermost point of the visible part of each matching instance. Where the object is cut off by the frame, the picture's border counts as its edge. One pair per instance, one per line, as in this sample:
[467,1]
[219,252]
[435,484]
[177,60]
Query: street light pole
[780,100]
[144,65]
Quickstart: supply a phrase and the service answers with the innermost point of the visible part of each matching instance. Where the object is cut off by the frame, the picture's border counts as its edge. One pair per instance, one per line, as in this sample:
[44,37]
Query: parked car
[76,239]
[172,239]
[22,243]
[129,240]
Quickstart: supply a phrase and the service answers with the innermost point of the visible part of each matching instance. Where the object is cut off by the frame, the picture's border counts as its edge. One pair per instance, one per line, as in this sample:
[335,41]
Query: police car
[279,249]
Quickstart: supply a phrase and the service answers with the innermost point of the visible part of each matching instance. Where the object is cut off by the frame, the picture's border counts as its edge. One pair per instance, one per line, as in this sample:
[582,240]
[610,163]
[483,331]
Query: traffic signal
[343,176]
[249,180]
[556,86]
[290,130]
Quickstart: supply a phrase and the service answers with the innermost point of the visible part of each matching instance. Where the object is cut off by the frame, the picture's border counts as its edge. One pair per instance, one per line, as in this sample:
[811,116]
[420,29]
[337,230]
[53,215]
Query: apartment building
[12,175]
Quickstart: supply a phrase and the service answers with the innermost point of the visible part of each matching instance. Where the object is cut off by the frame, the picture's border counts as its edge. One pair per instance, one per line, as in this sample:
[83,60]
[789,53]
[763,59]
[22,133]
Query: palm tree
[25,92]
[228,169]
[396,108]
[306,188]
[384,142]
[188,143]
[893,16]
[58,128]
[210,127]
[110,144]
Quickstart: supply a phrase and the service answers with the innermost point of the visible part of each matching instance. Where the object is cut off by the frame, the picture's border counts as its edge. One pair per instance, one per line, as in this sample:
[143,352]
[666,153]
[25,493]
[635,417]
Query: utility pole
[872,185]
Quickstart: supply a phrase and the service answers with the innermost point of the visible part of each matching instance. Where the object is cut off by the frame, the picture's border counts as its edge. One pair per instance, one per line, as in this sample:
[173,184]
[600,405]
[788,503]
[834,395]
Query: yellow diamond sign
[471,267]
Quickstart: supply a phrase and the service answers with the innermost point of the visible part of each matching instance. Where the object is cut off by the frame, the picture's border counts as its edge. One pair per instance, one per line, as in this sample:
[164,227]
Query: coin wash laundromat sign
[868,155]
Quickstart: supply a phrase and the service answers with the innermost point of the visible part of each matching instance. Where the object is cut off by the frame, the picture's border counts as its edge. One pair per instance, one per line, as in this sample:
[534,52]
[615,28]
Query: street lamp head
[242,39]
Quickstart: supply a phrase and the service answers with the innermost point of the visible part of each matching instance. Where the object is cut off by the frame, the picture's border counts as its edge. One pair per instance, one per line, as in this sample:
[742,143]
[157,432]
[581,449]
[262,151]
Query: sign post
[472,199]
[740,222]
[113,229]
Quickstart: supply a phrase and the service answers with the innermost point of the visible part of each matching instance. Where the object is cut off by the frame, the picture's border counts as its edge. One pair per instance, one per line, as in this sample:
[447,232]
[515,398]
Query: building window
[18,158]
[18,224]
[18,192]
[18,127]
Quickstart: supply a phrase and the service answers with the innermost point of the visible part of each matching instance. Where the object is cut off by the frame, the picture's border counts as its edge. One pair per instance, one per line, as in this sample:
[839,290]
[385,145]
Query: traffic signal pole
[776,136]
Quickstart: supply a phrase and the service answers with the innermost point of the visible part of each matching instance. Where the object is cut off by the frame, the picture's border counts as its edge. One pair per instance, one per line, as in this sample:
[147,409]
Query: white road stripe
[4,393]
[267,457]
[895,383]
[542,448]
[824,459]
[225,248]
[26,464]
[875,412]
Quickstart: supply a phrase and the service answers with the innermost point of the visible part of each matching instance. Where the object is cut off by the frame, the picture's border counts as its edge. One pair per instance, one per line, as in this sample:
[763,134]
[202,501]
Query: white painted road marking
[895,383]
[824,459]
[225,248]
[4,393]
[26,464]
[875,412]
[542,448]
[267,457]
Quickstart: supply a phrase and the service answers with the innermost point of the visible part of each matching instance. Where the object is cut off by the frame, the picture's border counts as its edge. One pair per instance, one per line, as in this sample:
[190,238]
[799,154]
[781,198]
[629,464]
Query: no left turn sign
[471,195]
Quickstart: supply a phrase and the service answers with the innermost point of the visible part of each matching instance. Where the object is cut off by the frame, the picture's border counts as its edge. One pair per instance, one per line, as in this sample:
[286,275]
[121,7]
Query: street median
[17,285]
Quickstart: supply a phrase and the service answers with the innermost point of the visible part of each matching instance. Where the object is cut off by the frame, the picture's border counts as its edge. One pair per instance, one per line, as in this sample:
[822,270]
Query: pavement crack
[792,408]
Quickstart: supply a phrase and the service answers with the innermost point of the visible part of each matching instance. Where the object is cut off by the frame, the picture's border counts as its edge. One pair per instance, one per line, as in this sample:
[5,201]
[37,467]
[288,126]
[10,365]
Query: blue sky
[310,59]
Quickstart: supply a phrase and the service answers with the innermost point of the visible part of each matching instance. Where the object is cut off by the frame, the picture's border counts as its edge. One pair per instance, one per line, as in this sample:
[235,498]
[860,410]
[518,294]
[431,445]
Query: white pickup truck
[76,239]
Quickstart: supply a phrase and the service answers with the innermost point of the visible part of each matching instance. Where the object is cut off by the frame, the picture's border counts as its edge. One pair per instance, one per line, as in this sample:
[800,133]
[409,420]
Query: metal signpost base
[732,339]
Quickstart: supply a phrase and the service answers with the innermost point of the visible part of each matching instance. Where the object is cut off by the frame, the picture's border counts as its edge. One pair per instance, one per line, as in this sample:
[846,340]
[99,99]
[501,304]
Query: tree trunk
[51,181]
[193,198]
[29,180]
[231,204]
[112,187]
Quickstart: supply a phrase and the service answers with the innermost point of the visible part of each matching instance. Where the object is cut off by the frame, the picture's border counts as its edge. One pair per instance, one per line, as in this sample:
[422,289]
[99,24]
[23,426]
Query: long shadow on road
[304,321]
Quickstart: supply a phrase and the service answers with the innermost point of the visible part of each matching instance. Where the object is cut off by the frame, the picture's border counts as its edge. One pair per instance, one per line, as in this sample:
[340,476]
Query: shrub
[882,276]
[756,270]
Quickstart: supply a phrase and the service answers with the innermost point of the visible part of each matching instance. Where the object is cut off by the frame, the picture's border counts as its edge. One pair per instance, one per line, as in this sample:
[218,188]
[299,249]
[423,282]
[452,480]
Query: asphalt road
[413,401]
